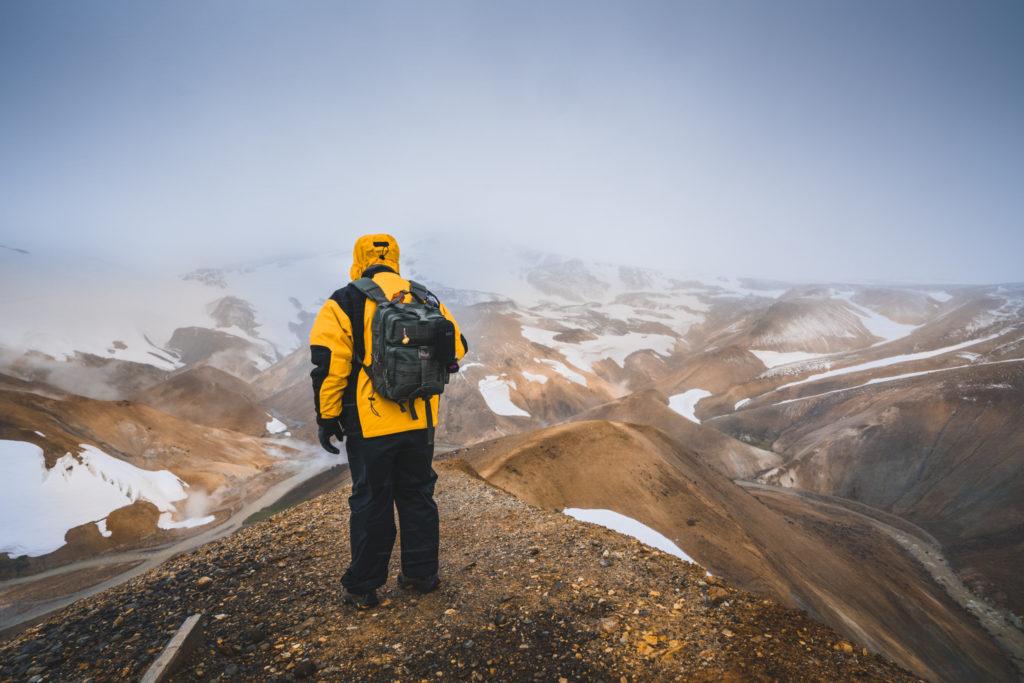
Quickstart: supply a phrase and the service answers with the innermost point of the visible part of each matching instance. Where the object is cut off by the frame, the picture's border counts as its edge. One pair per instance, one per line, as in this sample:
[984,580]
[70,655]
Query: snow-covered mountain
[906,398]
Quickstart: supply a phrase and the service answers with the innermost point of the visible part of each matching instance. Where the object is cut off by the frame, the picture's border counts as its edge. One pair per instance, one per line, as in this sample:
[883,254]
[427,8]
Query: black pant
[389,472]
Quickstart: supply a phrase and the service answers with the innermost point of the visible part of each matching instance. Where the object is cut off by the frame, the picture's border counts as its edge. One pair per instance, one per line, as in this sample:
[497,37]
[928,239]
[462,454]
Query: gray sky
[877,139]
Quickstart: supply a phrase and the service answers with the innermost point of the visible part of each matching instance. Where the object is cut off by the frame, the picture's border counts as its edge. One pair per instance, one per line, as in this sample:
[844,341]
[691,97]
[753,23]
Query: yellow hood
[371,250]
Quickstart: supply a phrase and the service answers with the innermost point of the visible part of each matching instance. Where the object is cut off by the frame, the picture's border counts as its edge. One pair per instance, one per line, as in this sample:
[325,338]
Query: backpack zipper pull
[405,336]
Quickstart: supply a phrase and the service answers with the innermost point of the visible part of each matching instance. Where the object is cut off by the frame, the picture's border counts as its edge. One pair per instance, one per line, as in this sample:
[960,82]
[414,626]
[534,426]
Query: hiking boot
[423,584]
[361,600]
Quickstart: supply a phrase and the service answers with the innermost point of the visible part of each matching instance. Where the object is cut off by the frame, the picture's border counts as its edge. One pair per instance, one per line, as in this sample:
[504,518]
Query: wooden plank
[189,635]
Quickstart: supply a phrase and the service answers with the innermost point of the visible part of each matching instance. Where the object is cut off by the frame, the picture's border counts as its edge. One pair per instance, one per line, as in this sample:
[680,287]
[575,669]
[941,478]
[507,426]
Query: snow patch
[772,359]
[686,402]
[275,426]
[876,323]
[615,521]
[740,403]
[892,360]
[894,378]
[496,393]
[942,296]
[39,505]
[563,370]
[540,379]
[616,347]
[167,521]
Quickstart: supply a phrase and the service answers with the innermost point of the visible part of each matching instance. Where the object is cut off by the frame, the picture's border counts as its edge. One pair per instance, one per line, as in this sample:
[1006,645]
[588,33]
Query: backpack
[413,346]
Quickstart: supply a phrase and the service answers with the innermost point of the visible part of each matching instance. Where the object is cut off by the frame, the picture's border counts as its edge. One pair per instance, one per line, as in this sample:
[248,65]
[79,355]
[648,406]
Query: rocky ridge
[527,594]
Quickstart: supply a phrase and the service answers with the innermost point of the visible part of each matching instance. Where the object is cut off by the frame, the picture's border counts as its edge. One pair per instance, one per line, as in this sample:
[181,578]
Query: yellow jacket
[332,346]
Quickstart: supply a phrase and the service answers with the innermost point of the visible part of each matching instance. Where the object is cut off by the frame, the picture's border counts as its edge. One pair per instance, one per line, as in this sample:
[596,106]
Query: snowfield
[907,375]
[616,347]
[876,323]
[496,393]
[686,403]
[38,506]
[563,370]
[891,360]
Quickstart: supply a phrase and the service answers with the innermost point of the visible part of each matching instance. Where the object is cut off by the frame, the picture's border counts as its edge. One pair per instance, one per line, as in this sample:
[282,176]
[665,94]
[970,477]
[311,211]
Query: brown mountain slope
[283,375]
[807,323]
[942,450]
[715,371]
[208,396]
[726,455]
[286,388]
[233,354]
[82,373]
[866,586]
[221,467]
[136,433]
[526,595]
[498,348]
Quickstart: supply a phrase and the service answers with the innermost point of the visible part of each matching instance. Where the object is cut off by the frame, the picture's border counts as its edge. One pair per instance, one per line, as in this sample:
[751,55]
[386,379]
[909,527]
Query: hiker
[390,442]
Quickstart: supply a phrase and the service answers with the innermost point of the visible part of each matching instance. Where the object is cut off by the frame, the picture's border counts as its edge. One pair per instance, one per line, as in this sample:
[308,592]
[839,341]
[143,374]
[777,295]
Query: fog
[793,140]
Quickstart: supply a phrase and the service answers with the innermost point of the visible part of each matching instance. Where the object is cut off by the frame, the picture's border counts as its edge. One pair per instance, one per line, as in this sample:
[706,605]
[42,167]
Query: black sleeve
[321,359]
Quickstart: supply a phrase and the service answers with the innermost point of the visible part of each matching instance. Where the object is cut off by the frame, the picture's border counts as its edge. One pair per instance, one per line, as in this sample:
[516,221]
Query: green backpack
[413,346]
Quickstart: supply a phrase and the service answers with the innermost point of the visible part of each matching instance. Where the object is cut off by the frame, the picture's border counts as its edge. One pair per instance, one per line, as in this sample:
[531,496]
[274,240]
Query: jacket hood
[372,250]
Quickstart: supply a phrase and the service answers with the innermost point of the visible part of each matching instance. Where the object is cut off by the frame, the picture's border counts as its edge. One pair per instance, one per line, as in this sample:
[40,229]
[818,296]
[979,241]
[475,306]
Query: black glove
[330,427]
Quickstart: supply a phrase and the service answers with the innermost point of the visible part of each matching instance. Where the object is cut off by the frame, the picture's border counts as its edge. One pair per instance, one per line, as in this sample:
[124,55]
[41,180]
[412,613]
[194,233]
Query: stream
[926,550]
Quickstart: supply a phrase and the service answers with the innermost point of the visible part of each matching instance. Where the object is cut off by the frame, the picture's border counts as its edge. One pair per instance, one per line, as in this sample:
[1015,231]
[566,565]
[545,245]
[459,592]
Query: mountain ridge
[555,598]
[842,572]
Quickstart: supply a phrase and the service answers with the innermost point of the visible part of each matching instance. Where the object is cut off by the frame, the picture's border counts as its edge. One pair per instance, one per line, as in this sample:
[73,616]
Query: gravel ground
[527,594]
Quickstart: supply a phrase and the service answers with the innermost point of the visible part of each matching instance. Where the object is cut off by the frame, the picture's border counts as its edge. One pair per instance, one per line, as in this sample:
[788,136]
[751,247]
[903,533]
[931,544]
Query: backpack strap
[371,289]
[430,421]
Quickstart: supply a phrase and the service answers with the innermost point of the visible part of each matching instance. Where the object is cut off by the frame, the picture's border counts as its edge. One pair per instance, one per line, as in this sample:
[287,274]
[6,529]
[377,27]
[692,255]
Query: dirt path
[928,551]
